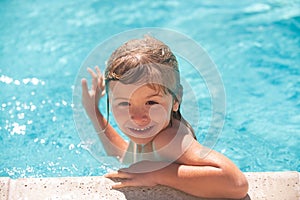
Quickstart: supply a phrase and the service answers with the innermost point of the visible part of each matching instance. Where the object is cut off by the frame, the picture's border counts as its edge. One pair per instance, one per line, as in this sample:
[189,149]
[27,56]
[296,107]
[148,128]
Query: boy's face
[140,111]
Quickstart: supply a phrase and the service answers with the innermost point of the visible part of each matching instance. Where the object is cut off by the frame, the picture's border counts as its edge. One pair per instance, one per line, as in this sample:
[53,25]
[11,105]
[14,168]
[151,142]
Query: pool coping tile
[262,185]
[4,187]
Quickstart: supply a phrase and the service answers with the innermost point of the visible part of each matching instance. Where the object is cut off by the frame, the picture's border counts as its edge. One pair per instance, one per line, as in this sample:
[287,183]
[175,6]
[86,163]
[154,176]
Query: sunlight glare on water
[42,45]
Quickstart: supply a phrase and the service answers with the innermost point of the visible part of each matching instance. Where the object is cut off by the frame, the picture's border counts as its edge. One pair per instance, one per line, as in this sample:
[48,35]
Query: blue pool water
[42,45]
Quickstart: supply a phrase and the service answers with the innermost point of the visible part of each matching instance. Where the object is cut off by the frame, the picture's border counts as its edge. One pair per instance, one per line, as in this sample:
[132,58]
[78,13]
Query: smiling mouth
[140,130]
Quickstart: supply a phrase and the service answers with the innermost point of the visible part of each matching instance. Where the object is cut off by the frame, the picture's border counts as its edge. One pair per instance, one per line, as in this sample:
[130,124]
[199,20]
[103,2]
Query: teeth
[141,129]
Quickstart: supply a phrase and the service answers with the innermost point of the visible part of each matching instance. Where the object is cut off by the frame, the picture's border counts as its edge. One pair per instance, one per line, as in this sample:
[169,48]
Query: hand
[138,174]
[90,98]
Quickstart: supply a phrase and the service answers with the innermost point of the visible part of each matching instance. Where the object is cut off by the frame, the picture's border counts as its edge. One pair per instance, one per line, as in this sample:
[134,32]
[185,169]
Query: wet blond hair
[148,61]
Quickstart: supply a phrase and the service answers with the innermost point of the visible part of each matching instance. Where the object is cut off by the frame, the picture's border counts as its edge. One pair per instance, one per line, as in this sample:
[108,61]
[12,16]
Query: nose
[140,116]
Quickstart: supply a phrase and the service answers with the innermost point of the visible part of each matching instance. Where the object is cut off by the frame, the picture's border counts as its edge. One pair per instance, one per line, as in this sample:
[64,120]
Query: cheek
[120,115]
[158,113]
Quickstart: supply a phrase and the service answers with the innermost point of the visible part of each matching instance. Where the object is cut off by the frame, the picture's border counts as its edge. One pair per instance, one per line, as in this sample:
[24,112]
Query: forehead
[118,89]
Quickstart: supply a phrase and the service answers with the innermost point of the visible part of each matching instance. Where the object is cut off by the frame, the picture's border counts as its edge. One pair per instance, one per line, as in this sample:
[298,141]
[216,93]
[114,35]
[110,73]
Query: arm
[113,143]
[210,175]
[198,170]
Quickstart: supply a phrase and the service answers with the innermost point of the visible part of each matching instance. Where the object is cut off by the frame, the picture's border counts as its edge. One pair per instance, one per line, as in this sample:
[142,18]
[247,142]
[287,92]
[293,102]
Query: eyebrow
[147,97]
[154,95]
[120,98]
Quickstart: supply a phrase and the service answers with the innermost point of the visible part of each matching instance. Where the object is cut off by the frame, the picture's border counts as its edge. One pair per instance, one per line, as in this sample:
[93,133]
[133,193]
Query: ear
[177,100]
[175,106]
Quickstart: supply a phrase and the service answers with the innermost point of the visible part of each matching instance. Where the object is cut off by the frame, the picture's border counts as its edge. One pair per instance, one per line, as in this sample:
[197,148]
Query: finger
[102,86]
[118,174]
[117,185]
[111,175]
[94,79]
[98,71]
[101,82]
[115,175]
[92,73]
[123,183]
[85,90]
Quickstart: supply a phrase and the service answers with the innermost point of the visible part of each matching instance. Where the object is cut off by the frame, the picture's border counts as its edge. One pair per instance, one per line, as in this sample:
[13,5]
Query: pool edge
[262,185]
[4,187]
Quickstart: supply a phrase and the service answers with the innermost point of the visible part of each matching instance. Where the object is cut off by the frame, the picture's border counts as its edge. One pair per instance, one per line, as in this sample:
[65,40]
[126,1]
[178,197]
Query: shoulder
[172,142]
[177,144]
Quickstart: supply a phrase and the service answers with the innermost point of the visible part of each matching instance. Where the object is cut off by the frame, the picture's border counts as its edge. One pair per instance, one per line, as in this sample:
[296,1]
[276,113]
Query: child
[143,89]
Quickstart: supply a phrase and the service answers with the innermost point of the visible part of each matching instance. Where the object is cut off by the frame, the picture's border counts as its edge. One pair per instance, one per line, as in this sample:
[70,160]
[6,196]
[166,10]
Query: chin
[141,141]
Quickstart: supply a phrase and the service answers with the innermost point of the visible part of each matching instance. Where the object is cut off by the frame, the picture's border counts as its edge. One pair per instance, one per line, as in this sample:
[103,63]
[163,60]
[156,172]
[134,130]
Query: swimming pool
[255,46]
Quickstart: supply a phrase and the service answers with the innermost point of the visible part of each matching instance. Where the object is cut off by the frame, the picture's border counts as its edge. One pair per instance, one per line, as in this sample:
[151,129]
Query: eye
[151,102]
[124,104]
